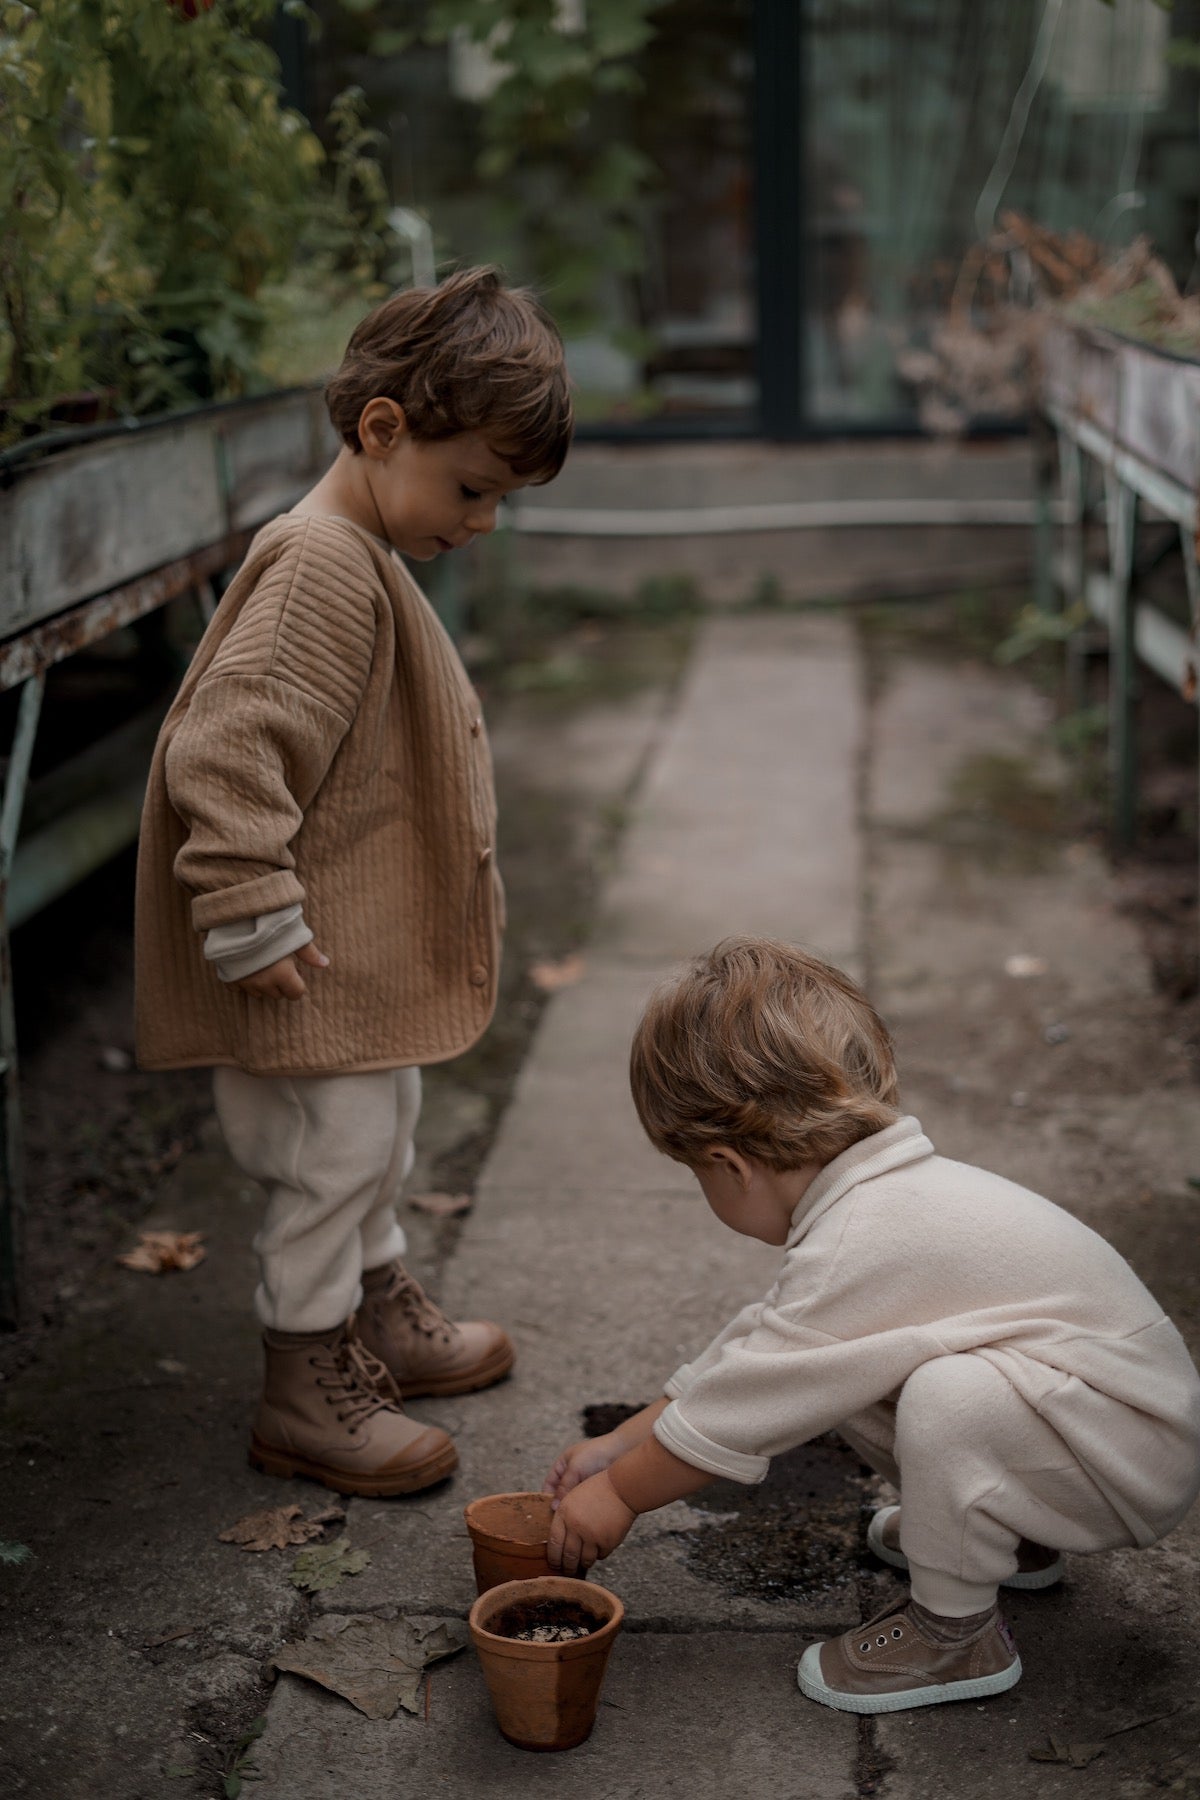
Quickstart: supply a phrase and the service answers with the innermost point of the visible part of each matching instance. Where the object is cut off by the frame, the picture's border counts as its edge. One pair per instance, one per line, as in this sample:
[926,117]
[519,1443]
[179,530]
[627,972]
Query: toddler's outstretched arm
[590,1455]
[595,1516]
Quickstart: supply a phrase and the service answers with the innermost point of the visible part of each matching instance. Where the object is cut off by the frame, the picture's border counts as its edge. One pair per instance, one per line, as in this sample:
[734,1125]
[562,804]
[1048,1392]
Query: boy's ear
[734,1161]
[381,425]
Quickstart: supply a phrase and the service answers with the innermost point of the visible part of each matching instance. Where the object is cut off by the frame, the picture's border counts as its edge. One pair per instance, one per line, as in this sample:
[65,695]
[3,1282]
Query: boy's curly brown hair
[468,355]
[764,1048]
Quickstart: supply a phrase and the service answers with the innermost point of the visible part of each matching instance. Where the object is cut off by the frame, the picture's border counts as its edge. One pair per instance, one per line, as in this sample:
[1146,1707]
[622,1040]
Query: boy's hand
[588,1525]
[588,1457]
[282,980]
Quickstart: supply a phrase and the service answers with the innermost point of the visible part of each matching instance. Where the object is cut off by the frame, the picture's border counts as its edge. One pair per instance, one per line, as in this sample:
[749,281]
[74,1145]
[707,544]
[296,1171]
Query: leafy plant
[557,148]
[153,187]
[241,1768]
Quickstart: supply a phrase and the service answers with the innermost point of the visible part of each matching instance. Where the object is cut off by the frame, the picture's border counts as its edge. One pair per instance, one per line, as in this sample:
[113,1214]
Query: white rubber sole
[811,1683]
[896,1559]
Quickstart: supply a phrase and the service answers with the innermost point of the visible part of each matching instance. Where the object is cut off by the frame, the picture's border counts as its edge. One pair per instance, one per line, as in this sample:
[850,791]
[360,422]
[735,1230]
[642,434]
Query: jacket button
[476,726]
[479,976]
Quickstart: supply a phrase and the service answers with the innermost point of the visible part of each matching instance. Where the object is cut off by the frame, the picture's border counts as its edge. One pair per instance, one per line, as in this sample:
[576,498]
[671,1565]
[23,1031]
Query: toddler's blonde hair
[762,1047]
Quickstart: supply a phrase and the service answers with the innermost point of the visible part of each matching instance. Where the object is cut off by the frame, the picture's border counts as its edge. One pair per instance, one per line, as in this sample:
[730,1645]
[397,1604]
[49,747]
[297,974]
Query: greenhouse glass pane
[925,120]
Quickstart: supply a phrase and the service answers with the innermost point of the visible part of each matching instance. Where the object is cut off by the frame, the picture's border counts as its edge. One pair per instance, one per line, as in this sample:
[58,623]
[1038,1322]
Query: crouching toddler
[987,1353]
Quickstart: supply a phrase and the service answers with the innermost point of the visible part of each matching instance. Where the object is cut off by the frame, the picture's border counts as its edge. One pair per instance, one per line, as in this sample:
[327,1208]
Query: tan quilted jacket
[325,747]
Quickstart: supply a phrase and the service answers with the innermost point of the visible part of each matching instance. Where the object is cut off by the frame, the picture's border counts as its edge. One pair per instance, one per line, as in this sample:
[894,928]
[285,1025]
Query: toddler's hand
[588,1525]
[282,980]
[589,1457]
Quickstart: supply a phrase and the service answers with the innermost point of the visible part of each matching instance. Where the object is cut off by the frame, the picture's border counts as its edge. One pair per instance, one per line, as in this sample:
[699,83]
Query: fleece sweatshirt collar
[901,1143]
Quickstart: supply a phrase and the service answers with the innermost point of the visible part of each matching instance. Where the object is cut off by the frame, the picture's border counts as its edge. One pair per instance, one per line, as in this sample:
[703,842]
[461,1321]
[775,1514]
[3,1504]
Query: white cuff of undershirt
[248,945]
[691,1446]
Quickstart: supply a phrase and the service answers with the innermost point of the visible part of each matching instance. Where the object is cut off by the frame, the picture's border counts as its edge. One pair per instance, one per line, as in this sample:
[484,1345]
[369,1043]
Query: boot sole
[1031,1582]
[424,1474]
[811,1683]
[484,1374]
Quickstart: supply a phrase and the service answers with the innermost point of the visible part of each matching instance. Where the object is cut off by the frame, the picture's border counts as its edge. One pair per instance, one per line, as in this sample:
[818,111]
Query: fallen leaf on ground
[158,1251]
[550,976]
[375,1664]
[114,1059]
[279,1527]
[1055,1751]
[325,1566]
[442,1206]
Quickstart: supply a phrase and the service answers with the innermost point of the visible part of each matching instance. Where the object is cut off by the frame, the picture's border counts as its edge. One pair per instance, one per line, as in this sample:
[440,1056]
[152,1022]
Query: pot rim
[492,1540]
[508,1592]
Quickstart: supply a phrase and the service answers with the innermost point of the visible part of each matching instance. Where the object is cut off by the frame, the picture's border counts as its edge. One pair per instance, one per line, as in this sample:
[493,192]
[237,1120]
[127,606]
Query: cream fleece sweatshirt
[897,1255]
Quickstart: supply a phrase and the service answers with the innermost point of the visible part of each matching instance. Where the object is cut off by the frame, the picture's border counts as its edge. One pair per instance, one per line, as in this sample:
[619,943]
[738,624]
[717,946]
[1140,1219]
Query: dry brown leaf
[158,1251]
[280,1527]
[442,1206]
[550,976]
[375,1664]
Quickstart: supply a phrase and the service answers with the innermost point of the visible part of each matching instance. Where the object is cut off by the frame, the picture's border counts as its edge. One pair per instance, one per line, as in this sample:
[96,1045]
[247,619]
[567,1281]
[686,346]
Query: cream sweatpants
[978,1469]
[332,1152]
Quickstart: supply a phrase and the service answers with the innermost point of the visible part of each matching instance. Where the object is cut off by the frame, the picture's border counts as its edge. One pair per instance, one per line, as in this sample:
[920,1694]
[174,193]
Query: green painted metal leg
[1045,478]
[12,1173]
[1121,509]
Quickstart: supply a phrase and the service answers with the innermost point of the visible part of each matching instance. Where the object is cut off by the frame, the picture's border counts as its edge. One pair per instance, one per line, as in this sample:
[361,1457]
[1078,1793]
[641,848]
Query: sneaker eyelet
[881,1641]
[863,1648]
[897,1632]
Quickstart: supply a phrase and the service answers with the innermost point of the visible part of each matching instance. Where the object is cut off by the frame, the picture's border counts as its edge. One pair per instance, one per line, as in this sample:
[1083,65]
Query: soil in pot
[544,1646]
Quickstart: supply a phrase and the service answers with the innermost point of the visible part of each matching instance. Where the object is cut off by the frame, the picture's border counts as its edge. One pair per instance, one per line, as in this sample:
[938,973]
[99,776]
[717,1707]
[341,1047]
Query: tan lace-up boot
[330,1410]
[423,1350]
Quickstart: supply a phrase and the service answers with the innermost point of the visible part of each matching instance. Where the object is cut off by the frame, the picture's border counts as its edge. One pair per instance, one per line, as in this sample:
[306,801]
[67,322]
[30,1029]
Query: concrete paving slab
[698,1717]
[1109,1660]
[582,1048]
[746,821]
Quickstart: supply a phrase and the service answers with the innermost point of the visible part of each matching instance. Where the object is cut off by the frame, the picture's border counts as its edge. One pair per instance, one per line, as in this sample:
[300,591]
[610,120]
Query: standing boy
[319,910]
[990,1355]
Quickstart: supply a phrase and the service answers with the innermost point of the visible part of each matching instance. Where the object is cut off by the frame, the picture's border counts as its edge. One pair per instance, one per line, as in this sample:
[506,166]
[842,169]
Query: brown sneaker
[330,1410]
[893,1662]
[423,1350]
[1037,1565]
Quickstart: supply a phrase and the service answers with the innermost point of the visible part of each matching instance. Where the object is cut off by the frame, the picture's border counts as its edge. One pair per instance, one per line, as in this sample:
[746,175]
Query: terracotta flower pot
[508,1537]
[545,1696]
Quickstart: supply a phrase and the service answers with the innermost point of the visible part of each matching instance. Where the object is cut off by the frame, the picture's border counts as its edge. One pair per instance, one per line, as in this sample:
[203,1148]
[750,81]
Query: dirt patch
[798,1535]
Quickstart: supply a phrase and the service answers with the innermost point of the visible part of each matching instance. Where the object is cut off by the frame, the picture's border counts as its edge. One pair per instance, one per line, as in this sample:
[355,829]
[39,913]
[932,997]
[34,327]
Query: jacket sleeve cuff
[679,1383]
[684,1441]
[252,944]
[248,900]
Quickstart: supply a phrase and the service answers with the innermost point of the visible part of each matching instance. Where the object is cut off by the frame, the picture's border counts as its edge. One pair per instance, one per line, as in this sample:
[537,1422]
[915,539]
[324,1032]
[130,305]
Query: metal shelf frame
[1120,421]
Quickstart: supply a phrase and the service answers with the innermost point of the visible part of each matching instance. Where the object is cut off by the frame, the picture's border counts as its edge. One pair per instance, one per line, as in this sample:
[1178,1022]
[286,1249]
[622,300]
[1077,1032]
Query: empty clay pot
[508,1537]
[545,1696]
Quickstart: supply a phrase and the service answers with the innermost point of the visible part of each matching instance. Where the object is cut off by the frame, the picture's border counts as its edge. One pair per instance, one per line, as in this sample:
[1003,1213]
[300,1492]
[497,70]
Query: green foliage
[1035,628]
[152,188]
[14,1554]
[241,1767]
[558,117]
[324,1565]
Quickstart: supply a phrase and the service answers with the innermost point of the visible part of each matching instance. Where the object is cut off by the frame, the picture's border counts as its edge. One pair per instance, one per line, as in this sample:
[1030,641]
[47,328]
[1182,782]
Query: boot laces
[360,1385]
[416,1305]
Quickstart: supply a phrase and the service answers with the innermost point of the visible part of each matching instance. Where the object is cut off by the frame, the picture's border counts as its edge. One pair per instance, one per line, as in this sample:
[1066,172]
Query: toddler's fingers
[316,959]
[554,1543]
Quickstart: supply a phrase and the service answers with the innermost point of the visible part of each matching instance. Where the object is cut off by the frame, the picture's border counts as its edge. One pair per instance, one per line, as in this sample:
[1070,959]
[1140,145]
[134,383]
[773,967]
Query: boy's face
[431,495]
